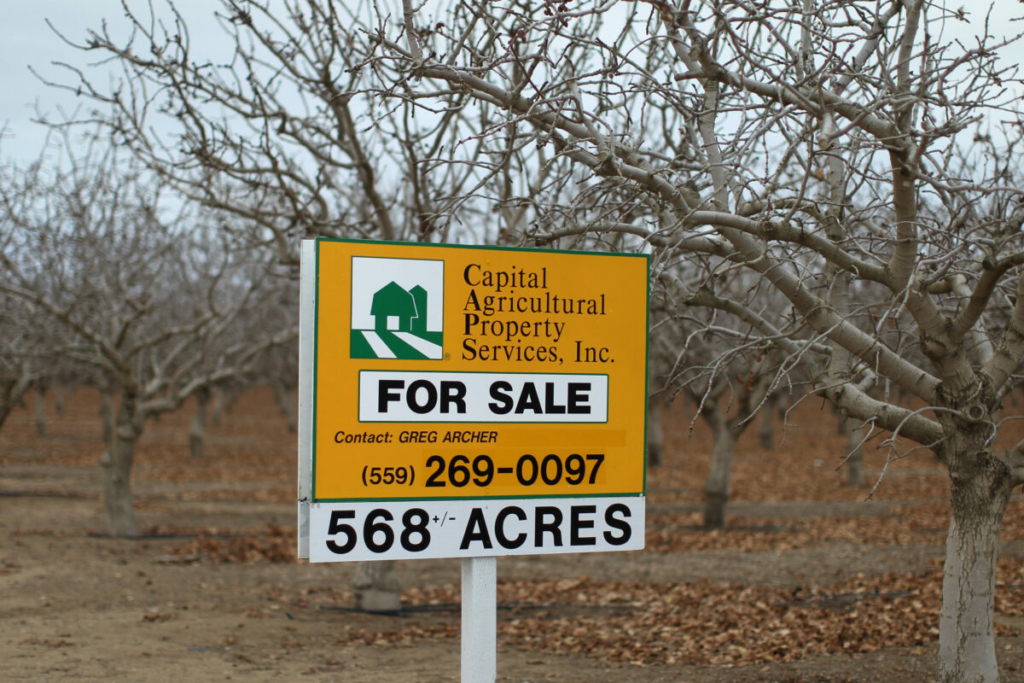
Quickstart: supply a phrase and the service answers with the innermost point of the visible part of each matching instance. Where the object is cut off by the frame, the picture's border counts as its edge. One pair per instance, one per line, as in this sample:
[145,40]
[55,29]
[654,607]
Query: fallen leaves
[269,543]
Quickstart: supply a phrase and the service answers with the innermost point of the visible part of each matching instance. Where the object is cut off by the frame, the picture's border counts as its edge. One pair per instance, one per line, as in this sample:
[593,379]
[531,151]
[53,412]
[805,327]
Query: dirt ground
[810,582]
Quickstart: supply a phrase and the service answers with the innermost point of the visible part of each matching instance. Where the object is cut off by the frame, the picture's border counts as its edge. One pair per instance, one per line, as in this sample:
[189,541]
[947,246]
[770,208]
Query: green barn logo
[397,308]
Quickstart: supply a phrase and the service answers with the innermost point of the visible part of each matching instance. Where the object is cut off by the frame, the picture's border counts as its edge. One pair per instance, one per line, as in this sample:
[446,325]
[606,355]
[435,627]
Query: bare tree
[287,136]
[704,356]
[23,354]
[148,294]
[825,147]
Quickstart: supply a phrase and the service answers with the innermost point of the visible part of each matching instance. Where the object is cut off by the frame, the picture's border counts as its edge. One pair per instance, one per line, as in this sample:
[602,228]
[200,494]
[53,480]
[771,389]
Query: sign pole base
[479,619]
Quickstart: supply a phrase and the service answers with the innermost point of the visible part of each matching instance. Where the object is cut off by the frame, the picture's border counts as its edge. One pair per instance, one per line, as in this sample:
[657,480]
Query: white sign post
[459,402]
[479,619]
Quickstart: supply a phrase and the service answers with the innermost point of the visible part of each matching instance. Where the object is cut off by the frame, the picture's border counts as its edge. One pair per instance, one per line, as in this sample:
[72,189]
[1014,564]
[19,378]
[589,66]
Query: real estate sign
[469,401]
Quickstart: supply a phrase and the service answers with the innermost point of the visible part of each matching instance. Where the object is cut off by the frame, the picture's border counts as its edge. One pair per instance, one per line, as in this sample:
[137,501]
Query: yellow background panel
[615,283]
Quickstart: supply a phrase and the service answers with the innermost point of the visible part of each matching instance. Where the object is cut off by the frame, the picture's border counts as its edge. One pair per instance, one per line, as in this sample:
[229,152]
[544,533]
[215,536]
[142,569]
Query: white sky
[26,40]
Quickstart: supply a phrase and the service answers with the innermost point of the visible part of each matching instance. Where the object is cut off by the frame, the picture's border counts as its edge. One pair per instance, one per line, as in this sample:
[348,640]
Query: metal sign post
[470,402]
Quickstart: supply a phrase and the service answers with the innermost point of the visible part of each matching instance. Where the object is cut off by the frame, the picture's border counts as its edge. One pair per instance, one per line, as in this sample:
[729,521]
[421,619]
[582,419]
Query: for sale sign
[466,401]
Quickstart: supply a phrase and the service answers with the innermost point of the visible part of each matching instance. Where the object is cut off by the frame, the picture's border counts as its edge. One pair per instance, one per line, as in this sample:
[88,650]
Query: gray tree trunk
[116,466]
[719,483]
[197,431]
[12,391]
[107,413]
[655,435]
[285,403]
[376,587]
[967,652]
[40,410]
[842,428]
[218,407]
[766,426]
[855,453]
[58,397]
[233,394]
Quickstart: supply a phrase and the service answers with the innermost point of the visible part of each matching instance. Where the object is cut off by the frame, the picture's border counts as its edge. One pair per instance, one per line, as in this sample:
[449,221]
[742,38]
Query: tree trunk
[766,426]
[5,410]
[285,403]
[12,391]
[107,413]
[979,496]
[842,428]
[116,465]
[233,394]
[855,453]
[58,397]
[655,436]
[218,407]
[719,483]
[198,429]
[40,410]
[376,587]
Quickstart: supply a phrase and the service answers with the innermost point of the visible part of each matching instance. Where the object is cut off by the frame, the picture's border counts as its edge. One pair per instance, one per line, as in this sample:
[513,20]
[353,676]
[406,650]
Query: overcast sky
[26,40]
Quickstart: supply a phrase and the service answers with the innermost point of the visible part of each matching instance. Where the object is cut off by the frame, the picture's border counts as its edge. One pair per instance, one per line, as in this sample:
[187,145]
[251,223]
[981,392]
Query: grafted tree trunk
[980,492]
[719,483]
[855,453]
[116,466]
[376,587]
[40,410]
[107,413]
[197,431]
[655,435]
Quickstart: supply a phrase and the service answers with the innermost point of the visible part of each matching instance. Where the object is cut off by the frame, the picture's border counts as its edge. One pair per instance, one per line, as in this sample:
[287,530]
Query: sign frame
[310,322]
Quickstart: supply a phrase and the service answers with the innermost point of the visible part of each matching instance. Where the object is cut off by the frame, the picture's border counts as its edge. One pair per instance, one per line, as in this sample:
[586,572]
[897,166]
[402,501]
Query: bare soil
[810,582]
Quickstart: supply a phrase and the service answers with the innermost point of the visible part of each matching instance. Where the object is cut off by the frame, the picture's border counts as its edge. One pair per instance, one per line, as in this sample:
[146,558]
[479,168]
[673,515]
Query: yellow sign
[448,372]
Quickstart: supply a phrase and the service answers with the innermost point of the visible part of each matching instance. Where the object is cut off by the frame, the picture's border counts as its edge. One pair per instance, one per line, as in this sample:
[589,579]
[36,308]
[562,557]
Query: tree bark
[116,466]
[12,392]
[655,435]
[766,426]
[218,407]
[855,453]
[40,410]
[233,394]
[719,483]
[376,587]
[58,398]
[285,403]
[107,413]
[967,652]
[197,431]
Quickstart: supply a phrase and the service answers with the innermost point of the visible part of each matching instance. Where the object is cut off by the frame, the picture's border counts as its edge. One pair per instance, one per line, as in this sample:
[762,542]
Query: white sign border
[448,521]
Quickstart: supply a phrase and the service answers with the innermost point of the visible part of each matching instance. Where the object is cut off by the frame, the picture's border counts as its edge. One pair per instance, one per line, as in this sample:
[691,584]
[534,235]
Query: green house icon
[395,308]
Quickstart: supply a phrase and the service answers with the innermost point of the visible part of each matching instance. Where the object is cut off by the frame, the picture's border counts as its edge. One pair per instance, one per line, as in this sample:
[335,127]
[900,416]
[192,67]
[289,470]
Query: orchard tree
[709,356]
[823,147]
[148,292]
[24,356]
[288,137]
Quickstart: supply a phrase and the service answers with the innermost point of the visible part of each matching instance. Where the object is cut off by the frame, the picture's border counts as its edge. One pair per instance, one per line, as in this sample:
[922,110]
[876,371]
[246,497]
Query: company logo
[397,308]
